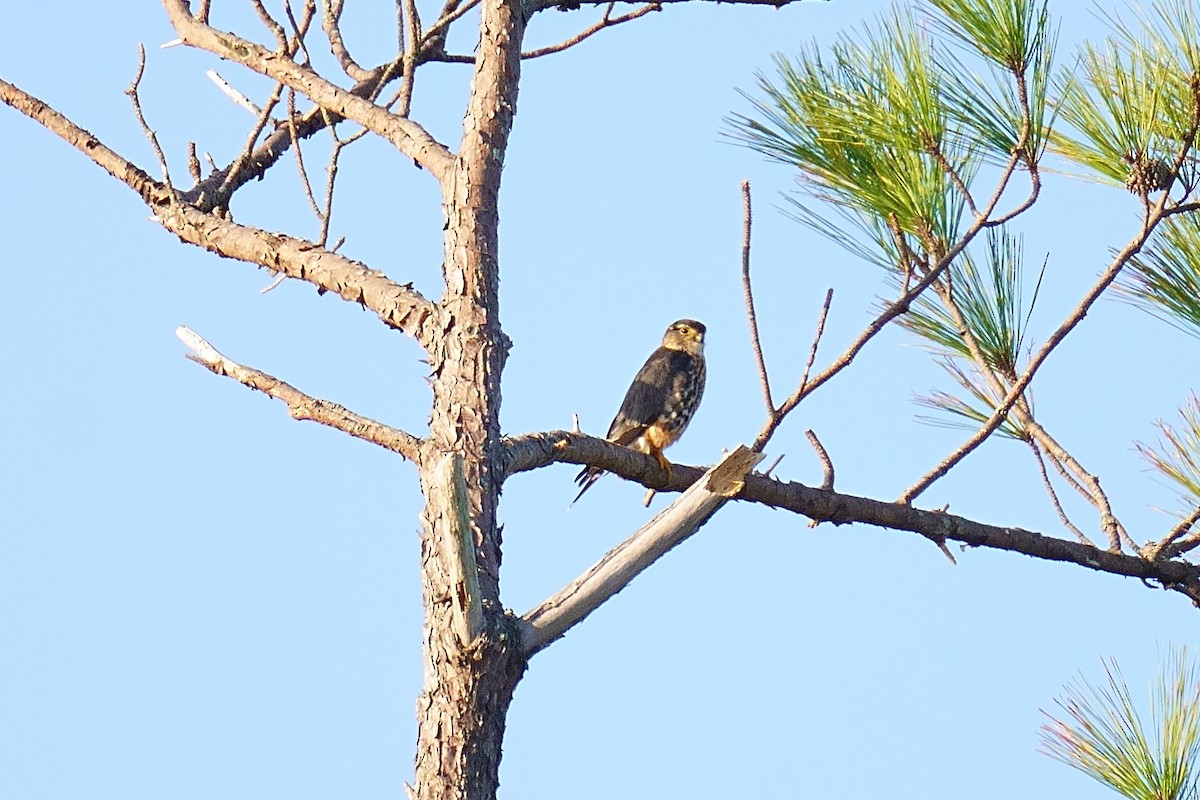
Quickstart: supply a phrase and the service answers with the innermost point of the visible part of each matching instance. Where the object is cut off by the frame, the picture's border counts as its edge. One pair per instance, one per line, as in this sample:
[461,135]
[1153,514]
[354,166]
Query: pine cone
[1147,175]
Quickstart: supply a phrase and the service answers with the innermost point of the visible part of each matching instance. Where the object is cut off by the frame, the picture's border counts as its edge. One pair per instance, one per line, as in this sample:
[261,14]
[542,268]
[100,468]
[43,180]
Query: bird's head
[686,335]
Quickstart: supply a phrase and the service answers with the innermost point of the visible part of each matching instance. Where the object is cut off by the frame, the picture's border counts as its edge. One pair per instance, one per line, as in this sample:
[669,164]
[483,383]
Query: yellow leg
[662,462]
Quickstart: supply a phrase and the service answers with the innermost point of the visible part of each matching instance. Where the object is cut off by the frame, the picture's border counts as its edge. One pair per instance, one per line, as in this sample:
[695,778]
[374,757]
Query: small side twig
[331,19]
[411,49]
[1174,542]
[1062,514]
[299,151]
[281,37]
[132,92]
[776,416]
[748,292]
[606,21]
[823,457]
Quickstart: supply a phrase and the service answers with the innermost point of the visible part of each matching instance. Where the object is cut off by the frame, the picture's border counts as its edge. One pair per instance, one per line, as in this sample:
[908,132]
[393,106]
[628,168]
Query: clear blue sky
[202,598]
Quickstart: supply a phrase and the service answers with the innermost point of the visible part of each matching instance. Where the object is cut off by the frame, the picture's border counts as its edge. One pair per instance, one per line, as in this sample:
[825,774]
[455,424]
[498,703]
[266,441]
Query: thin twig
[605,22]
[132,92]
[300,28]
[410,51]
[331,18]
[451,12]
[274,27]
[748,293]
[246,157]
[299,151]
[1062,514]
[776,416]
[816,342]
[1174,542]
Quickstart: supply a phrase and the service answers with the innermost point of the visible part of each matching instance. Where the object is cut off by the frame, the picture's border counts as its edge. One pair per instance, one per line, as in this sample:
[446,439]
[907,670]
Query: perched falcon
[662,399]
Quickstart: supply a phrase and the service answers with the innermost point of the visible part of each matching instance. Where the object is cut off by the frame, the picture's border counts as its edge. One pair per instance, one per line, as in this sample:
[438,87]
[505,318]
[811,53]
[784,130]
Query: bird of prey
[662,399]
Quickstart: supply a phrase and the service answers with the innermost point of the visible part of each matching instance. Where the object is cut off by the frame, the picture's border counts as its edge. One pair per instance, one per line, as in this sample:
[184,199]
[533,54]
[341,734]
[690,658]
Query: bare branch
[227,181]
[748,293]
[775,416]
[1178,541]
[233,94]
[534,6]
[1062,514]
[299,151]
[532,451]
[435,34]
[399,306]
[407,136]
[331,18]
[675,523]
[410,51]
[132,91]
[301,406]
[605,22]
[274,27]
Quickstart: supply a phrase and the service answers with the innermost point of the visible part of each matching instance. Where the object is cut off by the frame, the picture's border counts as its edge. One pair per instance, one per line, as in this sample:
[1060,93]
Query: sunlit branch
[675,523]
[532,451]
[407,136]
[300,406]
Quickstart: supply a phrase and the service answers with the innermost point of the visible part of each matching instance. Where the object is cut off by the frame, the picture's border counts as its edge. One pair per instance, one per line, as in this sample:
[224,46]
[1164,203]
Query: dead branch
[150,135]
[776,417]
[1062,514]
[823,457]
[399,306]
[410,46]
[407,136]
[331,18]
[606,21]
[675,523]
[227,181]
[300,406]
[532,451]
[748,293]
[233,94]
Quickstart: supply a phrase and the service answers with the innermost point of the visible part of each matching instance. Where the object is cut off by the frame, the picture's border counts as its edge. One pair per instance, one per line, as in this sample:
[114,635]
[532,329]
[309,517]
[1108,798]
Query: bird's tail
[586,477]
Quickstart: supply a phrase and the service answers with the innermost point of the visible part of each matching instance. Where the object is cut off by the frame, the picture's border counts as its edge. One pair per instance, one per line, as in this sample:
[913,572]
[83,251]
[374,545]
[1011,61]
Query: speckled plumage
[662,399]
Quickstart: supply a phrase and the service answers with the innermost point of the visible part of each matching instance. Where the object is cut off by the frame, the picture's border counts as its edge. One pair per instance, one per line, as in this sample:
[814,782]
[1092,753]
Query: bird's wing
[648,395]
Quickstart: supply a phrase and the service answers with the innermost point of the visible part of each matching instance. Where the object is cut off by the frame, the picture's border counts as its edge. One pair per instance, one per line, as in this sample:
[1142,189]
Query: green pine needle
[1165,276]
[1133,96]
[1176,455]
[1103,735]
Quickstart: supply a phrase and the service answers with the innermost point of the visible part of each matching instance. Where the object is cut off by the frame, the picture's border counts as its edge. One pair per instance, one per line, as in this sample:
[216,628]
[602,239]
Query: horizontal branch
[398,305]
[534,6]
[532,451]
[569,606]
[407,136]
[300,406]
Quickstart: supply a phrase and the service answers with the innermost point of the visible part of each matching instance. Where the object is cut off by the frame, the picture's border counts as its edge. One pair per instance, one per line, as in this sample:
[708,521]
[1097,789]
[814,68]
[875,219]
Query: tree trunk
[469,684]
